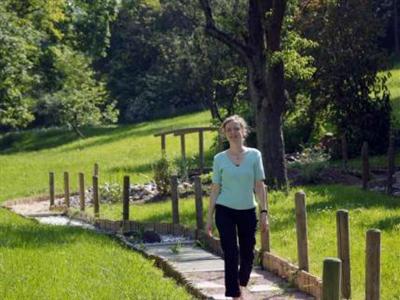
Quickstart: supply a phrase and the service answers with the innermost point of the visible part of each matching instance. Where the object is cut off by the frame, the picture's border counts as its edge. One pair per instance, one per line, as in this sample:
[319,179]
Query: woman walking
[237,173]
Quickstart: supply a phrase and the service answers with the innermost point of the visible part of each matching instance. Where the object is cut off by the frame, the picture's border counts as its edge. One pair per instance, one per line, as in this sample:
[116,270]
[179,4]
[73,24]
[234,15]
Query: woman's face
[234,131]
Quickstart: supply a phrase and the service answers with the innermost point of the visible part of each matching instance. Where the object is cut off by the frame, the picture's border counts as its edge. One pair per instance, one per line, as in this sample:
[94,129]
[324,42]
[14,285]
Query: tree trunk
[266,92]
[265,77]
[396,29]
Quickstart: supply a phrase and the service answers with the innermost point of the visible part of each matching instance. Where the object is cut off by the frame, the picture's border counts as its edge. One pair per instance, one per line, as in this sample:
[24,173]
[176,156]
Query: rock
[150,236]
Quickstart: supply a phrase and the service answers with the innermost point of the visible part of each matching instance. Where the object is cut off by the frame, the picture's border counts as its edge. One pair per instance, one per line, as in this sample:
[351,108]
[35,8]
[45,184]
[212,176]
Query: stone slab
[208,285]
[262,288]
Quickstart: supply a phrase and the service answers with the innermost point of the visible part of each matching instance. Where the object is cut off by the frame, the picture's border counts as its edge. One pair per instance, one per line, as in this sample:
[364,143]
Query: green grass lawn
[26,158]
[44,262]
[366,210]
[57,262]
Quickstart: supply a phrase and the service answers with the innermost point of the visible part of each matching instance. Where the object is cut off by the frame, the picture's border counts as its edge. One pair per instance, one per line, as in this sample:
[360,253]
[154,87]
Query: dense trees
[46,68]
[290,67]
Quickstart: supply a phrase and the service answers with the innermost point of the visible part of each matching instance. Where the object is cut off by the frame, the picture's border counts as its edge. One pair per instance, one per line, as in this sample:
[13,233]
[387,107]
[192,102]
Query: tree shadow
[387,224]
[338,197]
[355,198]
[41,139]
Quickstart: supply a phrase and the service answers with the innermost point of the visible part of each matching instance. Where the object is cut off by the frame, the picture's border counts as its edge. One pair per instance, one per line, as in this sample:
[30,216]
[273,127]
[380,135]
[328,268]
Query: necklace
[237,157]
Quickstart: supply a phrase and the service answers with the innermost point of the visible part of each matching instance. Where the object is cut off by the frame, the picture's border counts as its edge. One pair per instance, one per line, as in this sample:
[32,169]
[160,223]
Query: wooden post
[201,150]
[175,199]
[265,239]
[163,144]
[199,202]
[82,191]
[301,226]
[343,248]
[125,199]
[183,146]
[96,205]
[345,156]
[391,165]
[331,279]
[96,170]
[372,265]
[66,189]
[51,188]
[220,142]
[365,165]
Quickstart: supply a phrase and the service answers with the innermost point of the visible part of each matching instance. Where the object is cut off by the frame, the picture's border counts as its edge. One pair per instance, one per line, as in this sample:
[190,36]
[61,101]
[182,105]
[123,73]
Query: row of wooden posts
[336,271]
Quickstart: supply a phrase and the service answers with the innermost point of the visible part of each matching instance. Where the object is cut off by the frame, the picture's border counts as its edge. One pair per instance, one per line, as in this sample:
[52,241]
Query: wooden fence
[336,279]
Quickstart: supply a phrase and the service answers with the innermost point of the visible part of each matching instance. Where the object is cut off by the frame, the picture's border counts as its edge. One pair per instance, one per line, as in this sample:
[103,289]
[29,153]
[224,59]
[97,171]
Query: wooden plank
[343,248]
[331,279]
[51,188]
[66,189]
[301,228]
[201,150]
[199,202]
[82,191]
[175,199]
[180,131]
[372,265]
[96,203]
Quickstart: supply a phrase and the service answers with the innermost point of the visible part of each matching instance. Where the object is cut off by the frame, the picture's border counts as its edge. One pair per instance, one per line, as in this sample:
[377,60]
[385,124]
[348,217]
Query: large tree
[259,44]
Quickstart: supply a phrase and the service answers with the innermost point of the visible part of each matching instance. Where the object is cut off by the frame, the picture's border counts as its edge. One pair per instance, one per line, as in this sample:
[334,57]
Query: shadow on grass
[339,197]
[40,139]
[37,236]
[391,223]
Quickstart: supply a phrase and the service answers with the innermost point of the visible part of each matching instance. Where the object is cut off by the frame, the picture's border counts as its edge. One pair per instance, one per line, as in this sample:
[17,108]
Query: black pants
[233,224]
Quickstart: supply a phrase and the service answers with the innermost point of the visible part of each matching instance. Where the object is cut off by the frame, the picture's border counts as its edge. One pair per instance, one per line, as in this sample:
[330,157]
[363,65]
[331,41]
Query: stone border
[303,280]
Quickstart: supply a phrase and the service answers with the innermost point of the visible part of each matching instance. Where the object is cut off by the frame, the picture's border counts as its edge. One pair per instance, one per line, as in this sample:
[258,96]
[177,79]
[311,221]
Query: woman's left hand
[264,224]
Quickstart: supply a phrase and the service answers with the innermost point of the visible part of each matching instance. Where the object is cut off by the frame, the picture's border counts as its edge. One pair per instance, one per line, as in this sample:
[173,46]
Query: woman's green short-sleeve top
[237,181]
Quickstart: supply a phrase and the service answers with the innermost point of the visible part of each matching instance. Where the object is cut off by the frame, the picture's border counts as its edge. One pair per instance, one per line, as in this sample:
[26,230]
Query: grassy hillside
[45,262]
[27,157]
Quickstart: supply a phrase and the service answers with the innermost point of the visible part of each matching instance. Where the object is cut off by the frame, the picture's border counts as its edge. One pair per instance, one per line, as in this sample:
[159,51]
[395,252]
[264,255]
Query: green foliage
[176,248]
[311,162]
[81,100]
[89,26]
[347,90]
[162,174]
[110,192]
[19,50]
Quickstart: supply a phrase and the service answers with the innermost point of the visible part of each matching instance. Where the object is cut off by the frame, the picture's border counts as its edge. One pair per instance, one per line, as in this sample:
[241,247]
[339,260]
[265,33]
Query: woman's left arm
[261,197]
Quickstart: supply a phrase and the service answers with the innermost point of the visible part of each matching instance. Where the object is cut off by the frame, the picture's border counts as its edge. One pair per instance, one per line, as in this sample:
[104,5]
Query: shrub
[311,162]
[162,174]
[110,192]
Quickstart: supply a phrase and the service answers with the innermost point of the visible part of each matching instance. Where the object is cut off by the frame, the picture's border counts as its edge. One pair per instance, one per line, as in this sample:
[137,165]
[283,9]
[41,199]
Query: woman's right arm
[211,208]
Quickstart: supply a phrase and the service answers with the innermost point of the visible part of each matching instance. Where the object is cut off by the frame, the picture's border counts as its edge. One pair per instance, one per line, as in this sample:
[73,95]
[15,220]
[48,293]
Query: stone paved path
[205,272]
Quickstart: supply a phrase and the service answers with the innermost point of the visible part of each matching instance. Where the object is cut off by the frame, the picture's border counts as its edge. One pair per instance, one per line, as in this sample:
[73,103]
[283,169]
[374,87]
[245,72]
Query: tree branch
[220,35]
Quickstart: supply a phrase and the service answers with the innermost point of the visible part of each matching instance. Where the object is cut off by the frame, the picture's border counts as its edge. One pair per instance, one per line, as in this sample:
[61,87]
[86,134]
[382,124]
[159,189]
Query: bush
[110,192]
[162,174]
[311,162]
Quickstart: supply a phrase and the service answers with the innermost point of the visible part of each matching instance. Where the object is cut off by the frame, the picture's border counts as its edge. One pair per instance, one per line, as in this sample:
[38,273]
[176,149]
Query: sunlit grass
[51,262]
[26,158]
[366,210]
